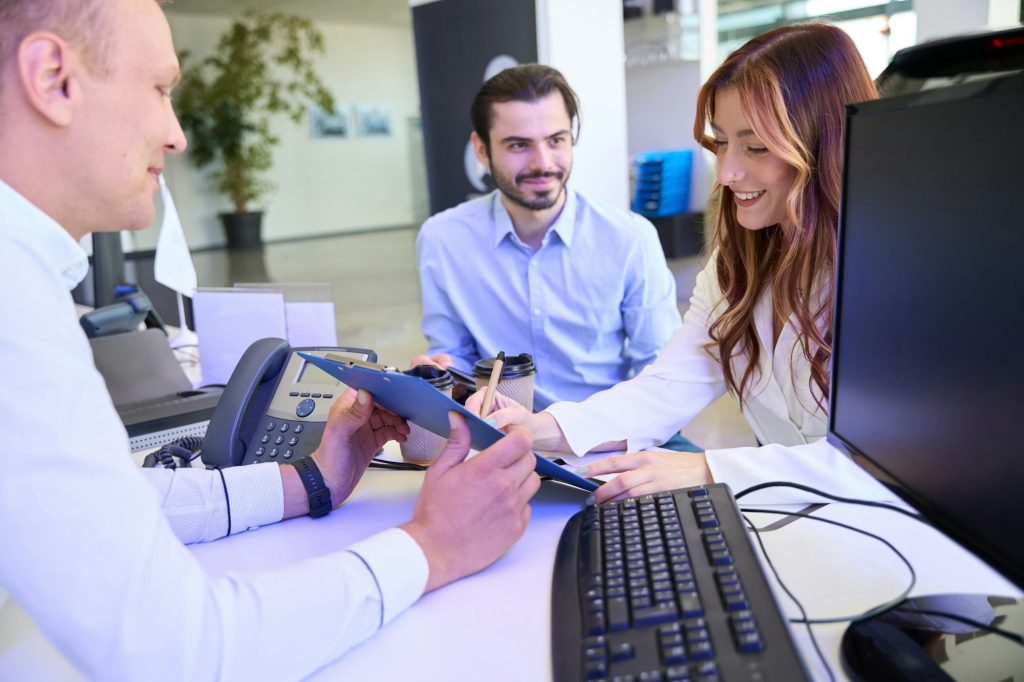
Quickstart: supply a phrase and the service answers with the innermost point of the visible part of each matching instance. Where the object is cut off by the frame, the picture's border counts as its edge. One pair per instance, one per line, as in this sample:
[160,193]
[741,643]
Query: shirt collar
[564,225]
[26,222]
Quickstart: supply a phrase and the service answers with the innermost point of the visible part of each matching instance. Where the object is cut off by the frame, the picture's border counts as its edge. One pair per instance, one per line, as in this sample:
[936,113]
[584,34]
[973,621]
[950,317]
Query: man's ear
[480,149]
[47,68]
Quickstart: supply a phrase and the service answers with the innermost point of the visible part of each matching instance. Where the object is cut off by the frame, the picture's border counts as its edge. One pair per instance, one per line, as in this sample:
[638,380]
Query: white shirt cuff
[398,565]
[255,495]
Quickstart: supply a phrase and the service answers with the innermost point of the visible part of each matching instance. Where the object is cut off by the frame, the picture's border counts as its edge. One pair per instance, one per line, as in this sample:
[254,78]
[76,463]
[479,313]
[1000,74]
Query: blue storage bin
[662,183]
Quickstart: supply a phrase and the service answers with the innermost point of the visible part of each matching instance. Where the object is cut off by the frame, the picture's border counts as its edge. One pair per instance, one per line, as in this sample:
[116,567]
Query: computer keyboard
[666,587]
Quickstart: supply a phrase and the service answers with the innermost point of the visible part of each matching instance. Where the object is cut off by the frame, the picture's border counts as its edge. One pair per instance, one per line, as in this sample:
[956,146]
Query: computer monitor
[927,388]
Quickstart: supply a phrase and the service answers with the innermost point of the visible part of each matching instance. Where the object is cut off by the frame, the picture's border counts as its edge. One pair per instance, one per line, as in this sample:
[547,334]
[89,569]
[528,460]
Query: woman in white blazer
[760,317]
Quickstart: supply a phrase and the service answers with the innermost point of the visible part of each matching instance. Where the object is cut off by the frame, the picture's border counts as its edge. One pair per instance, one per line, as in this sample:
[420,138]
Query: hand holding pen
[492,385]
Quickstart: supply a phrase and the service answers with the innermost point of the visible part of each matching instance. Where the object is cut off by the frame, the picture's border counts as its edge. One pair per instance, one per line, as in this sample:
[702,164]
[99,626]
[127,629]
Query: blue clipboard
[415,400]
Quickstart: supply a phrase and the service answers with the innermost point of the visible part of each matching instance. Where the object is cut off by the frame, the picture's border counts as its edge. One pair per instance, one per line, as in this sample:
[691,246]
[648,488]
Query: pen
[492,384]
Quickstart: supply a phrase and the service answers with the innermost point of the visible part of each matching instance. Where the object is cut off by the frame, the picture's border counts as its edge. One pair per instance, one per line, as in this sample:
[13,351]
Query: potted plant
[262,66]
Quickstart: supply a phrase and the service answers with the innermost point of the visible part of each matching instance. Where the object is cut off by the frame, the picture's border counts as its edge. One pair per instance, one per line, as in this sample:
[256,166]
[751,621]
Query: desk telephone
[274,407]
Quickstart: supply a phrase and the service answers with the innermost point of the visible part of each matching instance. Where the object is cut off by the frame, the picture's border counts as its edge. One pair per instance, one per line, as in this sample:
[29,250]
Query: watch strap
[313,482]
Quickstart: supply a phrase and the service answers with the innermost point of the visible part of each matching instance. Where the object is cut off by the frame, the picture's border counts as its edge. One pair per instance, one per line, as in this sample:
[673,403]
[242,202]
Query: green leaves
[262,66]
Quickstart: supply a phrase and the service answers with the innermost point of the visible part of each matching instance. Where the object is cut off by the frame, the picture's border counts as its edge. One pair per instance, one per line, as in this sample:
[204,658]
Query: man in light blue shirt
[535,267]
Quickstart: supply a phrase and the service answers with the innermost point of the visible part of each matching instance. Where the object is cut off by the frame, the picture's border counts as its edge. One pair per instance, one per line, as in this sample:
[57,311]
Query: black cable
[1012,636]
[377,463]
[186,449]
[837,498]
[803,611]
[870,613]
[227,499]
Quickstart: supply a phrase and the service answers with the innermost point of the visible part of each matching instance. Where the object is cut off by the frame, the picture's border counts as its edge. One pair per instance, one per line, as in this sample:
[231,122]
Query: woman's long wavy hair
[794,84]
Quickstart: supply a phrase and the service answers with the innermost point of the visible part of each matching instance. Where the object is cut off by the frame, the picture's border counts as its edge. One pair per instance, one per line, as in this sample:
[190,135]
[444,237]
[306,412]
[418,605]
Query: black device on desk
[927,374]
[130,309]
[275,405]
[152,394]
[666,587]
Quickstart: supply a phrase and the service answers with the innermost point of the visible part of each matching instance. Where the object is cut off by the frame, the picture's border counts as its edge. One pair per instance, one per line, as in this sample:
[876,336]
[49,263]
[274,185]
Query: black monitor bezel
[935,517]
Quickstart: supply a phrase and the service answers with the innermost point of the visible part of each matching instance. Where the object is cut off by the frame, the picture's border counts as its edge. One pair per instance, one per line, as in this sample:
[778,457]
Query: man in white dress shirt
[85,545]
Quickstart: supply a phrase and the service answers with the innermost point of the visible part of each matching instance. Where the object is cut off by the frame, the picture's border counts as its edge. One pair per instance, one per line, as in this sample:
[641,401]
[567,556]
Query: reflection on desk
[496,625]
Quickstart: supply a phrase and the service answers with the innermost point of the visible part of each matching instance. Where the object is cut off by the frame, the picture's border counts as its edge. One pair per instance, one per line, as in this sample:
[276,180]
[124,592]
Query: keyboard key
[674,639]
[618,614]
[595,670]
[594,624]
[701,651]
[623,651]
[697,635]
[677,673]
[653,615]
[673,655]
[707,672]
[689,604]
[749,642]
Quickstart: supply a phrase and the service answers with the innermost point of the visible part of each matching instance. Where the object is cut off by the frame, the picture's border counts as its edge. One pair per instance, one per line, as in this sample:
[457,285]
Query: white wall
[327,185]
[583,40]
[938,18]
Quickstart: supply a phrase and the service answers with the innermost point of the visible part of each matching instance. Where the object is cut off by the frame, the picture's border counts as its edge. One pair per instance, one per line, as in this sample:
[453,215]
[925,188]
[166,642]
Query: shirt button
[536,311]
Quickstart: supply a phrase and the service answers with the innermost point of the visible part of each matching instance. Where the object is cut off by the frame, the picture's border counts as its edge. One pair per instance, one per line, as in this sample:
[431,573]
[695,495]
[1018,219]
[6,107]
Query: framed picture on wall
[323,124]
[373,120]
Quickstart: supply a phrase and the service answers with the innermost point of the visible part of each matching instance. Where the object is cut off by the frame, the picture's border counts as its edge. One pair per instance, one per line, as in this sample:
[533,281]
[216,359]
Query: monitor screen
[928,367]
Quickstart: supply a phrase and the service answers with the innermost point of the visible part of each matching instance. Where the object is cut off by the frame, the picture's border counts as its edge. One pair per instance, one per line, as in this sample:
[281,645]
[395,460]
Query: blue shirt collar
[564,225]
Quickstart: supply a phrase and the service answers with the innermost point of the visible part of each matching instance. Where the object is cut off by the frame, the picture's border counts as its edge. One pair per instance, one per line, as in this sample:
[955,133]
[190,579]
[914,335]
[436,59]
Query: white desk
[496,625]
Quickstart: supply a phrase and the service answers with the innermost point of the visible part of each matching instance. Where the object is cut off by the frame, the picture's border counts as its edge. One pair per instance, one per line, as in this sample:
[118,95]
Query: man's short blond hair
[83,23]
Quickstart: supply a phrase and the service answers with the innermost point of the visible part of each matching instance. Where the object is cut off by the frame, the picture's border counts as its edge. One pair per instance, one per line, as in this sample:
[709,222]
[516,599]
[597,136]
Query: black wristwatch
[313,481]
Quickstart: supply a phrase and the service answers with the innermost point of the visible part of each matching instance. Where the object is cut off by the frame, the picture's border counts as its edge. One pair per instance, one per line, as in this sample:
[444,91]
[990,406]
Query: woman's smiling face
[759,180]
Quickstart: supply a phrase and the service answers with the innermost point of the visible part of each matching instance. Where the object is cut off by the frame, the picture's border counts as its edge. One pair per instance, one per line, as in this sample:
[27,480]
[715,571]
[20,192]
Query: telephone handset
[275,405]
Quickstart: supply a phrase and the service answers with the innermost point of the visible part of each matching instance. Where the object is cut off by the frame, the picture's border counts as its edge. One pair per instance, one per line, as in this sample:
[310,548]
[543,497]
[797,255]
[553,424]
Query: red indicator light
[1006,42]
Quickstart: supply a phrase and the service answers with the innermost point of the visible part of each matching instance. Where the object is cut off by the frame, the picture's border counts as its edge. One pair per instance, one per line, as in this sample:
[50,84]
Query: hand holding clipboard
[415,400]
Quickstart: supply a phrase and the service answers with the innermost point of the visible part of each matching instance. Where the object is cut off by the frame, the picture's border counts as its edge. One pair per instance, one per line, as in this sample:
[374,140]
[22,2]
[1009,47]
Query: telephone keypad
[283,440]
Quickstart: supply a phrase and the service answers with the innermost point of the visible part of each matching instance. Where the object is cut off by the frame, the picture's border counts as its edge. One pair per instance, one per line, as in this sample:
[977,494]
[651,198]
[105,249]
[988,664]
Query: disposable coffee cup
[516,380]
[422,446]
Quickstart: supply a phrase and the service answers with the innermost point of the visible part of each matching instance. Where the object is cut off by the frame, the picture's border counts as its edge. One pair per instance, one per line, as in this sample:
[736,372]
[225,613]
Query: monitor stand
[906,644]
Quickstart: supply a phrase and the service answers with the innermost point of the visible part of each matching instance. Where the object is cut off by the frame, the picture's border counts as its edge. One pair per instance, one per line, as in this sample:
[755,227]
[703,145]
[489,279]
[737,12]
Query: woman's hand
[507,415]
[642,473]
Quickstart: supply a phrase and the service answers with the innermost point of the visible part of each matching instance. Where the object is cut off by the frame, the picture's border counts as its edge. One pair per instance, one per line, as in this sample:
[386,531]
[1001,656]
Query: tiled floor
[377,300]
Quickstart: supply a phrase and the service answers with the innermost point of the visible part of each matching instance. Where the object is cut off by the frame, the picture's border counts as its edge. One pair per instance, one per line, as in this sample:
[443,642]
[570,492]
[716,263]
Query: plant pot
[243,229]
